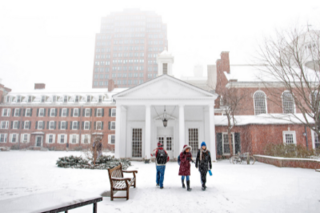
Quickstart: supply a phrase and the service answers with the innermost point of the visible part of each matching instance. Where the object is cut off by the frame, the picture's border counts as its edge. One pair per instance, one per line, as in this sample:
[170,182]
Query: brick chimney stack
[39,86]
[222,65]
[111,85]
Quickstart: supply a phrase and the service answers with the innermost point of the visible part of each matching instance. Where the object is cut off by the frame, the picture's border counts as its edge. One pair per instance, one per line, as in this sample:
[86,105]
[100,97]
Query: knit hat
[203,144]
[185,147]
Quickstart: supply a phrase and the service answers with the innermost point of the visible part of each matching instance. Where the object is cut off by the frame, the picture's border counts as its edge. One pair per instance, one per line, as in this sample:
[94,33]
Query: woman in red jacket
[184,170]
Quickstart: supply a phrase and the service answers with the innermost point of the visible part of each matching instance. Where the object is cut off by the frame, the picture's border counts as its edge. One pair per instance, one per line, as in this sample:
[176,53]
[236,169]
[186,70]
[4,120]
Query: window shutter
[54,124]
[94,126]
[219,143]
[237,142]
[59,125]
[83,111]
[90,125]
[24,112]
[36,124]
[49,111]
[78,126]
[82,125]
[44,125]
[67,112]
[29,124]
[13,112]
[18,124]
[95,112]
[66,124]
[37,112]
[109,125]
[109,112]
[102,112]
[11,124]
[31,112]
[22,125]
[90,112]
[20,112]
[44,114]
[47,124]
[71,126]
[60,112]
[101,125]
[55,112]
[72,112]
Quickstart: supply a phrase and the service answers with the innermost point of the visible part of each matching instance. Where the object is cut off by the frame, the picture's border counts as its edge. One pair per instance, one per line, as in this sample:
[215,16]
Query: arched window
[260,106]
[287,102]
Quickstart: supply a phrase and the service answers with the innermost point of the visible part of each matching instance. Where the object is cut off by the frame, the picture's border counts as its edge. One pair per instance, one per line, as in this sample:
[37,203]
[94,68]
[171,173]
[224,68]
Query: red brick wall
[106,119]
[39,86]
[286,162]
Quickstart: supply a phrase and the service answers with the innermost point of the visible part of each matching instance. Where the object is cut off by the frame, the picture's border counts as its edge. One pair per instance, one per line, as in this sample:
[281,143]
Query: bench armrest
[120,179]
[133,171]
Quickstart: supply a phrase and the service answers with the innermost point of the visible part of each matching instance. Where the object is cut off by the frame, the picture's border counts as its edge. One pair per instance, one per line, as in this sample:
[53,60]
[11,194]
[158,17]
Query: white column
[212,134]
[147,147]
[182,141]
[118,132]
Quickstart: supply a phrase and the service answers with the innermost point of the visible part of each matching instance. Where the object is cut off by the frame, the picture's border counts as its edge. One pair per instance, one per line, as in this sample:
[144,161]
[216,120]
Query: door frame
[36,137]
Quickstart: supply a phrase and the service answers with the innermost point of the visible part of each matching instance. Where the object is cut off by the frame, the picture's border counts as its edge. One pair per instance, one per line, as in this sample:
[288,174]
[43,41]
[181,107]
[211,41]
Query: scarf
[202,152]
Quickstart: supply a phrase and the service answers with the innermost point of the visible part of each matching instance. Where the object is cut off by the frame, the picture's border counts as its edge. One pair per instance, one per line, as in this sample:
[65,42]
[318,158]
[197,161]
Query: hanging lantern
[165,121]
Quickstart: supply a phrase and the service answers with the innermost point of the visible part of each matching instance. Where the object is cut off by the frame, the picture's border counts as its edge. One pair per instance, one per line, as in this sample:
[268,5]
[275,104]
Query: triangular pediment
[163,87]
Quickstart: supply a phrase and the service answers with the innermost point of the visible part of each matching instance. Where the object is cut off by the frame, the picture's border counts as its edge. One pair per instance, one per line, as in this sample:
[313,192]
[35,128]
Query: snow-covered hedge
[103,162]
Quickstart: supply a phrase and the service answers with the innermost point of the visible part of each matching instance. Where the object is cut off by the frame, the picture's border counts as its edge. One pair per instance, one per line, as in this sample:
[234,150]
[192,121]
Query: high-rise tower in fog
[126,48]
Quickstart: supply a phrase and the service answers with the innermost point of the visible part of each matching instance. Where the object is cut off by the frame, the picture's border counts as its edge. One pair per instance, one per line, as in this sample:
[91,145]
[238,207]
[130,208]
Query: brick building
[259,121]
[126,48]
[51,119]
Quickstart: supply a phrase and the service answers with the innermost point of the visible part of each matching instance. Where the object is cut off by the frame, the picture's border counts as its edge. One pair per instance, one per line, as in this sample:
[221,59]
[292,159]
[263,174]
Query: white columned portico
[118,132]
[182,141]
[212,139]
[147,149]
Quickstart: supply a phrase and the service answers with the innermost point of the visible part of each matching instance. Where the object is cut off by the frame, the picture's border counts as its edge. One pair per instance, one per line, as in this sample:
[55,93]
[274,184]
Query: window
[100,98]
[137,143]
[112,125]
[52,125]
[8,99]
[87,112]
[287,102]
[88,98]
[4,124]
[5,112]
[25,138]
[99,112]
[64,112]
[43,99]
[28,112]
[76,98]
[41,112]
[225,143]
[113,112]
[3,138]
[86,125]
[53,112]
[54,98]
[29,99]
[193,140]
[17,112]
[27,124]
[14,138]
[289,137]
[63,125]
[99,125]
[169,143]
[75,125]
[74,138]
[165,68]
[65,99]
[75,112]
[85,138]
[111,139]
[316,141]
[15,125]
[259,103]
[40,125]
[50,138]
[62,138]
[18,99]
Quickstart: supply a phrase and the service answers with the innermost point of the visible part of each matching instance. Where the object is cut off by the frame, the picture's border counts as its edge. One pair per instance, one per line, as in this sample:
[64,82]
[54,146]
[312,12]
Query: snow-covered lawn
[232,188]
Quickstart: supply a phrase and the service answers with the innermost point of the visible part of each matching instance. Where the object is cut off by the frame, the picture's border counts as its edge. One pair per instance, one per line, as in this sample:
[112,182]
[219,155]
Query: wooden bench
[119,183]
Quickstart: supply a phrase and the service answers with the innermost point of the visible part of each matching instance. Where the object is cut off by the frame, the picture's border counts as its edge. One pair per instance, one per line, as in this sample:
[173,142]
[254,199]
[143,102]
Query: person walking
[161,159]
[67,146]
[96,150]
[184,170]
[203,161]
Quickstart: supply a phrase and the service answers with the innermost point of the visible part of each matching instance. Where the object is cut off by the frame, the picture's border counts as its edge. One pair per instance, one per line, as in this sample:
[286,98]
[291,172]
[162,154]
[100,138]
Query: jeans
[160,175]
[187,177]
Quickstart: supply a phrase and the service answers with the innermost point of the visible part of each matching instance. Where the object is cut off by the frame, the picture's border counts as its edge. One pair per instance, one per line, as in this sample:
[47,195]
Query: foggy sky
[52,42]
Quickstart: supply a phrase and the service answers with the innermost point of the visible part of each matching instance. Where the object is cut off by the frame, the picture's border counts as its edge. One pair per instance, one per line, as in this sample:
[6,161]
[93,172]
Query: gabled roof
[165,86]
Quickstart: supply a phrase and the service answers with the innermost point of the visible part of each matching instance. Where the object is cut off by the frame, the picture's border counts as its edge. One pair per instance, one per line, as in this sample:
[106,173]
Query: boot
[203,187]
[183,186]
[188,185]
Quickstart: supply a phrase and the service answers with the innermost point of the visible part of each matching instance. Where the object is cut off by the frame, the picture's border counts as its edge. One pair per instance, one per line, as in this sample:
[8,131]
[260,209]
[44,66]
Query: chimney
[39,86]
[225,63]
[111,85]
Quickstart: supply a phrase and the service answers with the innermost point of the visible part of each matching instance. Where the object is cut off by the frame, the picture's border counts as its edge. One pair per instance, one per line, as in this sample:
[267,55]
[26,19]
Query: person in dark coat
[203,161]
[184,170]
[162,158]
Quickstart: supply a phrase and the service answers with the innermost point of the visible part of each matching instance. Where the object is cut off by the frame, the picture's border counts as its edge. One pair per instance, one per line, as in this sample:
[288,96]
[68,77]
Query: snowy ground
[232,188]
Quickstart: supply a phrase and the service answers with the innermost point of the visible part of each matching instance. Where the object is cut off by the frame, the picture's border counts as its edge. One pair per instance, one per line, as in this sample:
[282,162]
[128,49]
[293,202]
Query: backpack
[161,157]
[179,161]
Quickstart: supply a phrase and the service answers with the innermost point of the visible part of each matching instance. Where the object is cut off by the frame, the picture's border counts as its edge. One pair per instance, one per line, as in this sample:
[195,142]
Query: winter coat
[184,169]
[155,153]
[205,163]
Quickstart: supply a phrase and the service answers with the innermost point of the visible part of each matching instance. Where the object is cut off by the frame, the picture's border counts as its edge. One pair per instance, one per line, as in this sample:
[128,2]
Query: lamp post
[165,121]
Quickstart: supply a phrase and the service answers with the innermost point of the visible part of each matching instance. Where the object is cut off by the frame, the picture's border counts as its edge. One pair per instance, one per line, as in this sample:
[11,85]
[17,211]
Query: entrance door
[39,141]
[167,142]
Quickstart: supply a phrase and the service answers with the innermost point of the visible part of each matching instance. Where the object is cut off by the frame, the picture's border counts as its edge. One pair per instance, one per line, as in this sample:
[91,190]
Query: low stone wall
[289,162]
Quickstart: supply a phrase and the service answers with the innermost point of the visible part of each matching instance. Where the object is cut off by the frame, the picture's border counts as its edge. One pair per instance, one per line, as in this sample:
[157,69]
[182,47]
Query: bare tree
[292,61]
[231,104]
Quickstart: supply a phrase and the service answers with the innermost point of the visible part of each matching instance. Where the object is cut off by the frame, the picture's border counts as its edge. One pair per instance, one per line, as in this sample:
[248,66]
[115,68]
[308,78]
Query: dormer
[165,61]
